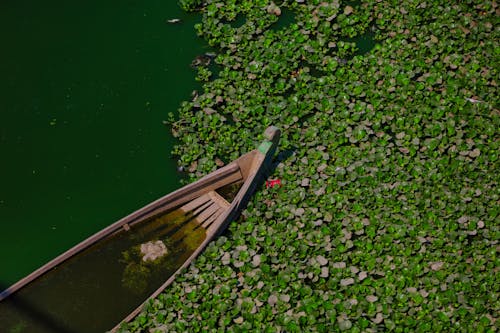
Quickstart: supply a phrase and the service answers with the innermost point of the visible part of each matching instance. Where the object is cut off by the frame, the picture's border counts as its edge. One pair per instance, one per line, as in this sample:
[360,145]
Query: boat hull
[200,200]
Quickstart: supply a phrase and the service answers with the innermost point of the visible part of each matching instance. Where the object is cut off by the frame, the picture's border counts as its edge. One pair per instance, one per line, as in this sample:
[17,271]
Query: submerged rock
[153,250]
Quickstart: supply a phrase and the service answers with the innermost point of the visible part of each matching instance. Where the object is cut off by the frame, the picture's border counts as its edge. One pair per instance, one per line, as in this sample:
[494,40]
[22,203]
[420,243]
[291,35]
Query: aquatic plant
[387,217]
[191,5]
[135,277]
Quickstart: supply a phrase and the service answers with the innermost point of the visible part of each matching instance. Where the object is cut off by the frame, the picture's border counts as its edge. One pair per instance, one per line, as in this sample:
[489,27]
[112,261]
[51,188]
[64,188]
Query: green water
[84,89]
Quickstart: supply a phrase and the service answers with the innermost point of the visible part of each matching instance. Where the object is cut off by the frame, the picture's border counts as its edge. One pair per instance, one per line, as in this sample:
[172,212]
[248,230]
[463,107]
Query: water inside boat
[96,289]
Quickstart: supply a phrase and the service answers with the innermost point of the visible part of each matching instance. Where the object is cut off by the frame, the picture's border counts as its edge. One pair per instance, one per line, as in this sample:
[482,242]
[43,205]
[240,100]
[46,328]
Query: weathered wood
[217,198]
[253,166]
[209,222]
[195,203]
[221,177]
[201,208]
[209,211]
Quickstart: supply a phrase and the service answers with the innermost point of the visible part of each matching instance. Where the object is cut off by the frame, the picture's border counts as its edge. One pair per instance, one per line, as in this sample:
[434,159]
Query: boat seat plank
[203,207]
[193,204]
[208,222]
[187,194]
[210,214]
[209,211]
[216,197]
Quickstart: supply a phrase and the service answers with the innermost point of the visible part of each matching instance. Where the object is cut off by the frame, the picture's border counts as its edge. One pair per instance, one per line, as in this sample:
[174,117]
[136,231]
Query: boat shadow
[281,157]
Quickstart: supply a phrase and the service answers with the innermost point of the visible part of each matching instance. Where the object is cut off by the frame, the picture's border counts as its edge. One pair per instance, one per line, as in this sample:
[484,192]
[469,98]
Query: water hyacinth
[387,217]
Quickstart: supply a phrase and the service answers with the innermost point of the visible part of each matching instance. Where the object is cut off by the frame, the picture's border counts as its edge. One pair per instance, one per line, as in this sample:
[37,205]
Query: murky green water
[95,290]
[85,87]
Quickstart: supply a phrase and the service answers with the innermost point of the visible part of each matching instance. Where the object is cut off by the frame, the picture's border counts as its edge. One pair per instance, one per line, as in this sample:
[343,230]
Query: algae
[177,231]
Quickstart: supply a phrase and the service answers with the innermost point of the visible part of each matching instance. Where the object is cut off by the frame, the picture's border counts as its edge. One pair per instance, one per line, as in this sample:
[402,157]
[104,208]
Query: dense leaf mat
[387,218]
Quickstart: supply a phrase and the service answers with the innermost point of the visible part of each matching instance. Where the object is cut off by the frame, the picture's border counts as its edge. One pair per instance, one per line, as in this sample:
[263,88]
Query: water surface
[85,87]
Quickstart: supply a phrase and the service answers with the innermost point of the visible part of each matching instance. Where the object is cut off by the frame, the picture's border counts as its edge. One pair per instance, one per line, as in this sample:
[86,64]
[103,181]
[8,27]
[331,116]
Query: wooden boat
[205,209]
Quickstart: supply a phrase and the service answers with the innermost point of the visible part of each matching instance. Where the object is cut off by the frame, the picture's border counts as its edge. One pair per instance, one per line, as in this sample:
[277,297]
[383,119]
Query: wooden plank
[209,211]
[208,224]
[191,195]
[203,207]
[217,198]
[195,203]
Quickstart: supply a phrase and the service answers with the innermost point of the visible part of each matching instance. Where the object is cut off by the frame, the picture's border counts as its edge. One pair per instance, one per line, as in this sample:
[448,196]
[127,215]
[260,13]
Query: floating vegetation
[387,217]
